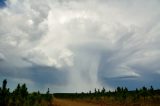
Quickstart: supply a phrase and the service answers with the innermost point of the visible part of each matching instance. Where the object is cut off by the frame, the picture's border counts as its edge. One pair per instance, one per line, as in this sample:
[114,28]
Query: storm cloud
[78,45]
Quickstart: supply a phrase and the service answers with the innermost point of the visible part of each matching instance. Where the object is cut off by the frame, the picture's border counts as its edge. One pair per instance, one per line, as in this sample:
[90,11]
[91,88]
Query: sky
[79,45]
[2,3]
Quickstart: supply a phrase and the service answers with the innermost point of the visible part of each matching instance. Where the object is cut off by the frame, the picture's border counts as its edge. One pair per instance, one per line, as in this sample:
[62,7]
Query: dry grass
[67,102]
[106,102]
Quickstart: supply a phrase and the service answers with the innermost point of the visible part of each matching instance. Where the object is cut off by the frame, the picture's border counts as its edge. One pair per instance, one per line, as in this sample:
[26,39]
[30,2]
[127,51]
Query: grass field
[67,102]
[106,102]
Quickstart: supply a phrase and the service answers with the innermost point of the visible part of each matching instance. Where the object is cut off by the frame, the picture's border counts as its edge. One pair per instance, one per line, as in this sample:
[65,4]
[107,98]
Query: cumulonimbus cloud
[93,41]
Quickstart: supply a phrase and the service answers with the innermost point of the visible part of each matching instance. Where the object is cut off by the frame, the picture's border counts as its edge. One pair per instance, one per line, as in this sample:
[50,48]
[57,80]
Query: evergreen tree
[103,91]
[95,91]
[4,94]
[151,92]
[144,92]
[48,95]
[23,91]
[118,89]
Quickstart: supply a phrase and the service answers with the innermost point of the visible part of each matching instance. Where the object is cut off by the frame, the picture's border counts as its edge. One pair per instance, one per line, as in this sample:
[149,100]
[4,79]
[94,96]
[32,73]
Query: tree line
[21,97]
[121,95]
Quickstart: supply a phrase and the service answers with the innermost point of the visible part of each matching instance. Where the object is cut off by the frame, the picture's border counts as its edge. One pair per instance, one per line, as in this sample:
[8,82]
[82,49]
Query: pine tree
[23,91]
[103,91]
[144,92]
[48,95]
[4,94]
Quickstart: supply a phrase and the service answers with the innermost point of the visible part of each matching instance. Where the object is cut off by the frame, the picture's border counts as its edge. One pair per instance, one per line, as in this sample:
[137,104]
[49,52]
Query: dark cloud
[39,76]
[2,57]
[48,75]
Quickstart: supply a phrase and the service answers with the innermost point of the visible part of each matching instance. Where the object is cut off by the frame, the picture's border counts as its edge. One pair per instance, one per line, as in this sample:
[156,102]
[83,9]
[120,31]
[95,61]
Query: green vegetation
[21,97]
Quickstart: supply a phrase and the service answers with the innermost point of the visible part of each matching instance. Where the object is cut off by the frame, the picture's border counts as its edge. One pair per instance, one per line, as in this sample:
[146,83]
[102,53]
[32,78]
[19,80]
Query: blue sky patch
[2,3]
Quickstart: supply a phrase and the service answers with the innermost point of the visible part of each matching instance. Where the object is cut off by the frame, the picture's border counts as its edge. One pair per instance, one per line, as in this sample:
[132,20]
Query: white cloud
[89,39]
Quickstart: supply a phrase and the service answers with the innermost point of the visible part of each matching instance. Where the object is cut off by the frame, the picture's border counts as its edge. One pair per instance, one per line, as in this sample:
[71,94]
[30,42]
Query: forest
[21,97]
[121,96]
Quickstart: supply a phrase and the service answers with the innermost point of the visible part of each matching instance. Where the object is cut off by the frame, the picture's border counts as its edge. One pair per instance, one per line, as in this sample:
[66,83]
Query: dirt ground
[65,102]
